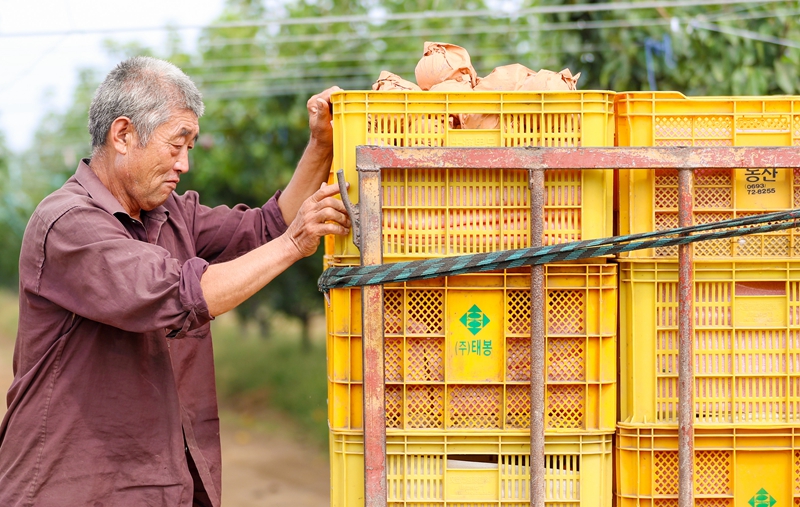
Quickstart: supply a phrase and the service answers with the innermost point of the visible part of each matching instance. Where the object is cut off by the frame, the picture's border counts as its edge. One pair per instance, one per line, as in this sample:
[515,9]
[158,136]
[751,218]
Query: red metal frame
[371,160]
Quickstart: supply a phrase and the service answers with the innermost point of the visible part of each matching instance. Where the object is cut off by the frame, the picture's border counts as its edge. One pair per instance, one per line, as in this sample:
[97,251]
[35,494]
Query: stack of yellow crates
[746,311]
[457,349]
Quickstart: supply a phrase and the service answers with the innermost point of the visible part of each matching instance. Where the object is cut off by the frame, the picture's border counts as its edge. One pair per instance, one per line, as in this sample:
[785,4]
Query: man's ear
[120,135]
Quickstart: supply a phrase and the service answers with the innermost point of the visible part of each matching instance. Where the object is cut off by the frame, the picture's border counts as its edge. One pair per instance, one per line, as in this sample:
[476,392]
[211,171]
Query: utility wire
[376,18]
[568,25]
[301,70]
[745,34]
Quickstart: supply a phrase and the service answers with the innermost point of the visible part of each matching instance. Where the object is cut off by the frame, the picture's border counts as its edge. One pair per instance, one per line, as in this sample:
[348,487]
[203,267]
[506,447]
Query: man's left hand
[320,118]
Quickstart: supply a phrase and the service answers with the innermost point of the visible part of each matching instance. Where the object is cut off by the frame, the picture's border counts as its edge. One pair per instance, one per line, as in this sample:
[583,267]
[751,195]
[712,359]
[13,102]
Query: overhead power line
[567,25]
[377,18]
[746,34]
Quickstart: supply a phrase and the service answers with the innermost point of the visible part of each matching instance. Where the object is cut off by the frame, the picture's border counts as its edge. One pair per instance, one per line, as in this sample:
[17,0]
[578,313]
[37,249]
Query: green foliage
[11,223]
[706,62]
[252,372]
[257,78]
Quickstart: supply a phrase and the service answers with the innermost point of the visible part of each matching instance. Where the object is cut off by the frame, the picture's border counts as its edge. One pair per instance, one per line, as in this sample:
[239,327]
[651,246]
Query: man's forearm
[228,284]
[313,169]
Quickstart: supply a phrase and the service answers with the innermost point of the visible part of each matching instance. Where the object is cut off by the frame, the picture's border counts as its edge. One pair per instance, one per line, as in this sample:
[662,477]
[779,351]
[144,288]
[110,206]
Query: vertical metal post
[685,345]
[369,191]
[537,343]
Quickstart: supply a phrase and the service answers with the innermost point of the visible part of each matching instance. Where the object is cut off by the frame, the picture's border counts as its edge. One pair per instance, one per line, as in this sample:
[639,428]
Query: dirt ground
[263,464]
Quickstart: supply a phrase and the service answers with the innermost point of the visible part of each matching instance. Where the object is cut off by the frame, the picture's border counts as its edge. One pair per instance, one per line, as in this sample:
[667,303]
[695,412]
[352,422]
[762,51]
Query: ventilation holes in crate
[426,129]
[515,477]
[562,478]
[518,406]
[425,359]
[385,129]
[712,352]
[518,360]
[395,473]
[712,304]
[713,471]
[560,130]
[667,399]
[796,474]
[713,130]
[393,350]
[475,406]
[565,406]
[426,188]
[665,471]
[566,359]
[675,128]
[424,477]
[518,312]
[566,312]
[666,352]
[666,502]
[716,247]
[394,406]
[667,178]
[393,311]
[760,352]
[424,407]
[712,400]
[794,304]
[664,221]
[666,197]
[562,188]
[796,180]
[393,186]
[425,312]
[713,502]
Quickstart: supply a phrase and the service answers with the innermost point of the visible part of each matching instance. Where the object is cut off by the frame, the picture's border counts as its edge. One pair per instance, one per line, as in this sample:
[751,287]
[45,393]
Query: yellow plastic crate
[457,352]
[732,467]
[437,213]
[746,342]
[475,471]
[648,200]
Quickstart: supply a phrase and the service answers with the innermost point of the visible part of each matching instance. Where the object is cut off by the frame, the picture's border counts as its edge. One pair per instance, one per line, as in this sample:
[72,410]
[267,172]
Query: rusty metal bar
[685,345]
[369,162]
[375,493]
[537,344]
[675,157]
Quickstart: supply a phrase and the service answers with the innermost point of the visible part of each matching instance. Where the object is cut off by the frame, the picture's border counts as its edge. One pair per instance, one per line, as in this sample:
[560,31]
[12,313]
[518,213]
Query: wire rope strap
[356,276]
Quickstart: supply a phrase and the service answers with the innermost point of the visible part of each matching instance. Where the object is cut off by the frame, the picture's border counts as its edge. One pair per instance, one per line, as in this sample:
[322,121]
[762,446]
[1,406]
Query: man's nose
[182,164]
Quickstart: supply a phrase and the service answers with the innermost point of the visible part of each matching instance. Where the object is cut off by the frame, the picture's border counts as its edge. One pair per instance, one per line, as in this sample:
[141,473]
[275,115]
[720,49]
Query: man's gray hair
[146,90]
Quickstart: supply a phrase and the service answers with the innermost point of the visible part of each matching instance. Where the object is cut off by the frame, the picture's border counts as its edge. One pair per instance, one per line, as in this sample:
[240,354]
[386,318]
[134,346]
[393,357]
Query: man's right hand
[319,215]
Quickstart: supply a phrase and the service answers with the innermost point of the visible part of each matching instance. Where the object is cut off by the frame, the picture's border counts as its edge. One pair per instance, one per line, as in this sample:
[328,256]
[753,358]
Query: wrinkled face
[151,173]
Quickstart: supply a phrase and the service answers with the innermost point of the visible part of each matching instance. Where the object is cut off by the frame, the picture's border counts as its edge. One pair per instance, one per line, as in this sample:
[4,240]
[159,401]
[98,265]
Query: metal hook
[352,209]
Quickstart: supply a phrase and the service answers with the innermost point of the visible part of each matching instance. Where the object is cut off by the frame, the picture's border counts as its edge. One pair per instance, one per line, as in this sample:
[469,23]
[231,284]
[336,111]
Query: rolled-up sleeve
[90,266]
[222,233]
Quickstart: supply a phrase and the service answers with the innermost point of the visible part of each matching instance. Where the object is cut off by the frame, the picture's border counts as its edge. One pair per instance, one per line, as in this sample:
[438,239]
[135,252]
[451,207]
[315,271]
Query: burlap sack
[440,62]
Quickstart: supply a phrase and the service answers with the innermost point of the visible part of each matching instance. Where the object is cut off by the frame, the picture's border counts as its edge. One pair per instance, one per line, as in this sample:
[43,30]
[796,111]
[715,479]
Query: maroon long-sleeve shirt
[113,366]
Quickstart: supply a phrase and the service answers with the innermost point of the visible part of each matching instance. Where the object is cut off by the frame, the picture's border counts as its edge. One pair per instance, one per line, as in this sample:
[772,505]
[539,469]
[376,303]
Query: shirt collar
[103,197]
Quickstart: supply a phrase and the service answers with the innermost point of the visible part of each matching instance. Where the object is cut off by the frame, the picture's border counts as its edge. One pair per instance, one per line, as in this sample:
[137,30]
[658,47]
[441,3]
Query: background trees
[259,63]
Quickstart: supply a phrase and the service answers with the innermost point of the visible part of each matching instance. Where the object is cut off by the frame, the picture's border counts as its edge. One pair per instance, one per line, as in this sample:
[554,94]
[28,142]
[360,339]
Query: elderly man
[113,401]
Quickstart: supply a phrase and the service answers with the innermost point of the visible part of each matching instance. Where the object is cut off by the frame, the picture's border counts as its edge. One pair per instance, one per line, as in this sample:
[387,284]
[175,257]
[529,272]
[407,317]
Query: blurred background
[257,63]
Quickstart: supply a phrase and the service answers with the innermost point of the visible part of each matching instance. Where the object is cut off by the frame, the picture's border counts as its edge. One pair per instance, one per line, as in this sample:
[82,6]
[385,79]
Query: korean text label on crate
[434,213]
[733,467]
[648,200]
[746,342]
[475,470]
[457,352]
